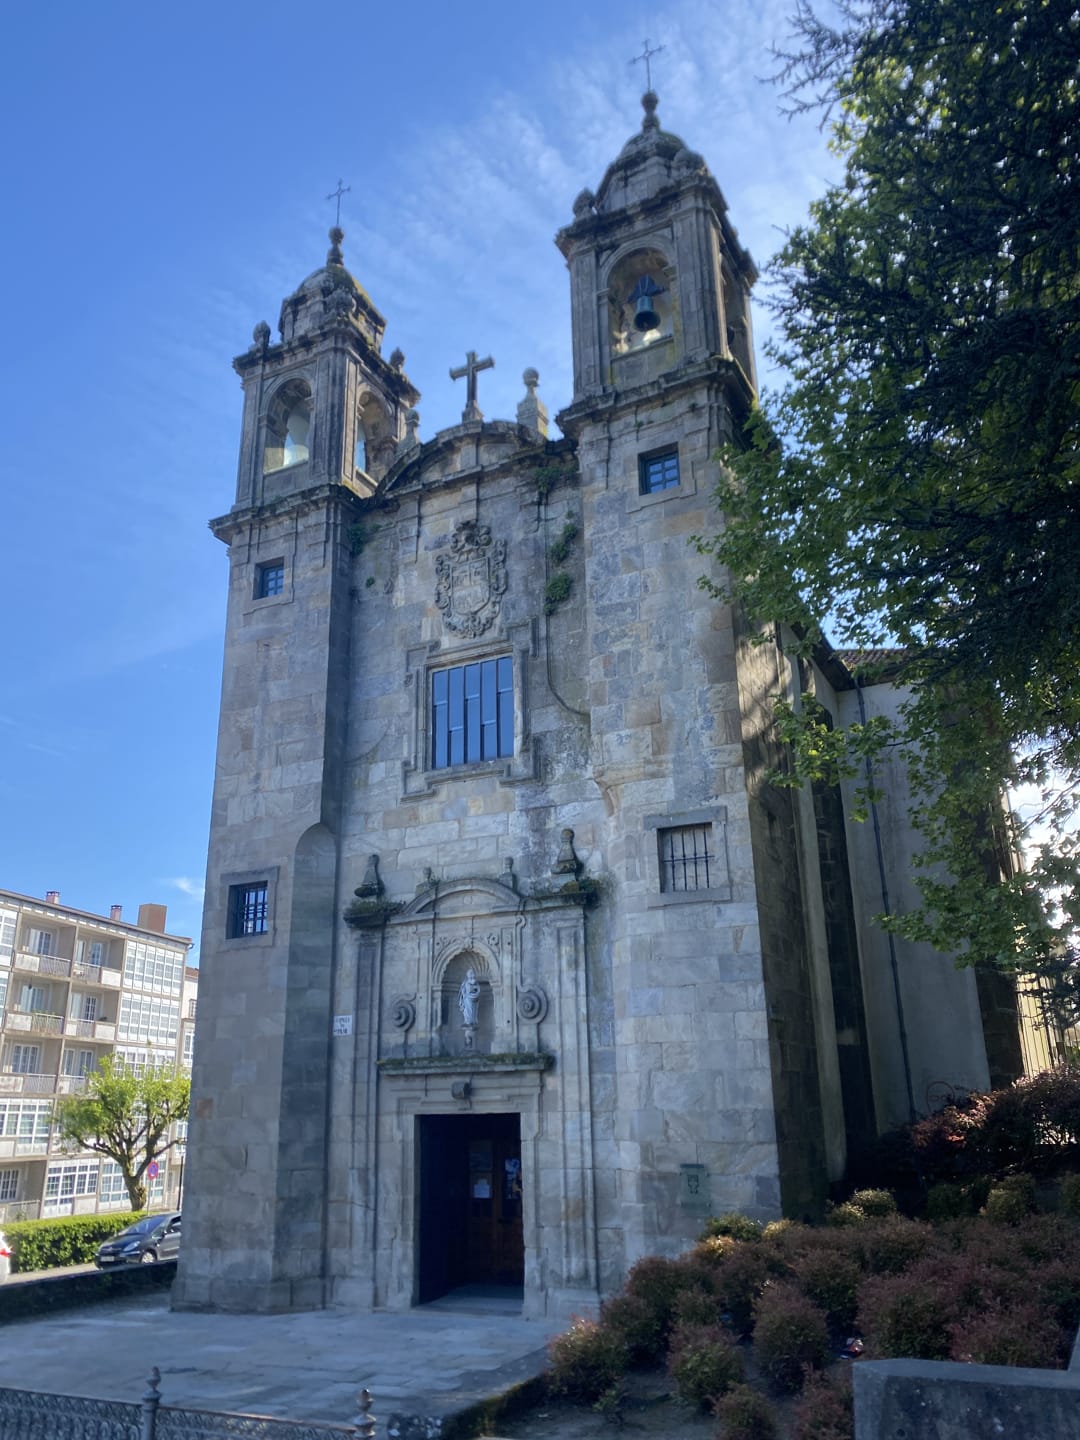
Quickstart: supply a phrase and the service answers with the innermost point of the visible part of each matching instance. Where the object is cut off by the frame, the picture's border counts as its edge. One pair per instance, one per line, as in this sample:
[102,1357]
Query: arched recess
[641,305]
[457,972]
[373,450]
[288,426]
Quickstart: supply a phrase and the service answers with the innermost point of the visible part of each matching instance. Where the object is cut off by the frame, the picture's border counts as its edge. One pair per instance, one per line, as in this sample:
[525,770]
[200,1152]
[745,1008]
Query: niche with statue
[466,1006]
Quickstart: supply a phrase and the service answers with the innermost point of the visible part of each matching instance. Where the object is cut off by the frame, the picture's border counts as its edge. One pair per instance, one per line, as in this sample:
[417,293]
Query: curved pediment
[469,896]
[475,445]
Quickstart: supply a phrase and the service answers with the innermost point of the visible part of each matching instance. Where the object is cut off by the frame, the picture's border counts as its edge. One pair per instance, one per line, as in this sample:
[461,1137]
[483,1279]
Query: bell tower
[323,415]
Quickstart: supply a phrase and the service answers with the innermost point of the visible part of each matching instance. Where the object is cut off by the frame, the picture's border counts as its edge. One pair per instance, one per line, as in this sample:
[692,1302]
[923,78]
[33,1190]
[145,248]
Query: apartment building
[75,987]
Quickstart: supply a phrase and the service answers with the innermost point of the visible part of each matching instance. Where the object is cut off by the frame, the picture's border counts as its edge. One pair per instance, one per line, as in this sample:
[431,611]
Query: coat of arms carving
[471,579]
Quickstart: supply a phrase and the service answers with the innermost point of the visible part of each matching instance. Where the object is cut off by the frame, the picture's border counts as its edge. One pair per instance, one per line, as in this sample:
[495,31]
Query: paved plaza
[431,1361]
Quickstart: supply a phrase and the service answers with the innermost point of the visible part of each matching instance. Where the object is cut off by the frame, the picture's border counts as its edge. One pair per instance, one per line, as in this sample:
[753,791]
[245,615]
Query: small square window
[269,579]
[685,858]
[249,908]
[658,472]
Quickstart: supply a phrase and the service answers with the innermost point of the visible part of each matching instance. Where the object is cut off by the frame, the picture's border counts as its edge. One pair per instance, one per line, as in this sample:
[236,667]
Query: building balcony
[102,1030]
[41,964]
[19,1210]
[70,1084]
[19,1083]
[34,1022]
[95,974]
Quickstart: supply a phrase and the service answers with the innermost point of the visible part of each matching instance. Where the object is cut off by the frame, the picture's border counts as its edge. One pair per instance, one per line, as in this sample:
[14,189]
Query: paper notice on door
[481,1189]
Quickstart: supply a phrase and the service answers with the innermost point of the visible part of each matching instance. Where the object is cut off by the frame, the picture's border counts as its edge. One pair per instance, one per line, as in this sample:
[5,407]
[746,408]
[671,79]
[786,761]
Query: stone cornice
[302,502]
[721,370]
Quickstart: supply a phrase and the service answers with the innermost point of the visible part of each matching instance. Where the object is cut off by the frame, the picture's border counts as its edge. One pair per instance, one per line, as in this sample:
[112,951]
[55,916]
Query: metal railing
[72,1417]
[20,1082]
[37,1022]
[41,964]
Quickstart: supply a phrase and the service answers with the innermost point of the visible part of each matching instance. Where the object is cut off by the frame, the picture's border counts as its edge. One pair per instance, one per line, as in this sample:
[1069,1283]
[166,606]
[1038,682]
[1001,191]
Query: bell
[645,317]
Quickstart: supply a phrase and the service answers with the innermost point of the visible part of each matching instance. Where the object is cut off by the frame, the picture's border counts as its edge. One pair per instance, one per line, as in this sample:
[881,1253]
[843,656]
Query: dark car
[157,1237]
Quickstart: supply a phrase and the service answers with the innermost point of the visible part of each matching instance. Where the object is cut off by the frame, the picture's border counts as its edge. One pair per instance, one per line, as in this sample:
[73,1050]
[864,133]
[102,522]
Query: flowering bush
[739,1227]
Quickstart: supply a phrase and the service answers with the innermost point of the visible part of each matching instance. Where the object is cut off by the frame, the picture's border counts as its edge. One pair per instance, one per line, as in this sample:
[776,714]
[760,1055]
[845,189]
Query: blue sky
[164,179]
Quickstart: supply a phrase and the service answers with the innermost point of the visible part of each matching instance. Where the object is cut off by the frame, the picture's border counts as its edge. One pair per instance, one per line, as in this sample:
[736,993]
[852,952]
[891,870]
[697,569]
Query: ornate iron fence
[36,1415]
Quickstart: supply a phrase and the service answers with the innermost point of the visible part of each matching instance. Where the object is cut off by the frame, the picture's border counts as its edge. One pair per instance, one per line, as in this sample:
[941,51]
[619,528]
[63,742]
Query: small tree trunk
[136,1191]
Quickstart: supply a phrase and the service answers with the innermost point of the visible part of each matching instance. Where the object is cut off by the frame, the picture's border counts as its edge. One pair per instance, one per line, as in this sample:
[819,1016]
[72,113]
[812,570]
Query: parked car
[156,1237]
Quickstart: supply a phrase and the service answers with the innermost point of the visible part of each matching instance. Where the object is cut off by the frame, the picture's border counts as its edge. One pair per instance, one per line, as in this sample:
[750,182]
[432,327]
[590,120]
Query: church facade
[515,966]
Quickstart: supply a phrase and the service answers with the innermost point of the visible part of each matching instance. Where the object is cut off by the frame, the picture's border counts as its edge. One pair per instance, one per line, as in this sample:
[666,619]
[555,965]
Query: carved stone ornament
[402,1013]
[532,1004]
[471,579]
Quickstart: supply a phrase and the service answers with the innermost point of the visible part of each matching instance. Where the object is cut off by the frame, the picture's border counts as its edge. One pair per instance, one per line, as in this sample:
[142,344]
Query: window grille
[472,713]
[249,910]
[658,472]
[269,579]
[685,858]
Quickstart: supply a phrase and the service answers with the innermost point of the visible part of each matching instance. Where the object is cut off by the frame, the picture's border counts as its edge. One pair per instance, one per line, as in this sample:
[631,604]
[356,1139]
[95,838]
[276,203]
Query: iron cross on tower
[469,370]
[646,55]
[337,194]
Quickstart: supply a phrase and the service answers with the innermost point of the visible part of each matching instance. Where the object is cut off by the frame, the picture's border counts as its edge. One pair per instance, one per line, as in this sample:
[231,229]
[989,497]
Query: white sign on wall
[342,1024]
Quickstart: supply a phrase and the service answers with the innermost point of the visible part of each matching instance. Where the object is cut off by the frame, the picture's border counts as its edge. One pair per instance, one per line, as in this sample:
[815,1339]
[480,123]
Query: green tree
[126,1116]
[916,478]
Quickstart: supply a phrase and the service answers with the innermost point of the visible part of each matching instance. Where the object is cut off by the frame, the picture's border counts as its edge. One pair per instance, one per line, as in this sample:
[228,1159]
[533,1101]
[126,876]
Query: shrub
[1069,1196]
[825,1410]
[904,1316]
[744,1415]
[1012,1335]
[952,1200]
[893,1244]
[69,1240]
[831,1280]
[704,1362]
[633,1321]
[790,1336]
[712,1250]
[586,1360]
[846,1214]
[875,1203]
[1059,1292]
[1011,1201]
[659,1282]
[739,1281]
[739,1227]
[698,1307]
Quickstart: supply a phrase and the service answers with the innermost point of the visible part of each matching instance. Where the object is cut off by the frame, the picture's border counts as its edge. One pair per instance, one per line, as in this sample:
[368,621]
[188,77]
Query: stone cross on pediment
[470,370]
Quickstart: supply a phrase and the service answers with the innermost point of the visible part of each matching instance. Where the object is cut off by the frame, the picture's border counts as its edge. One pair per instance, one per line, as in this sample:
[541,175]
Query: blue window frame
[249,910]
[658,472]
[472,713]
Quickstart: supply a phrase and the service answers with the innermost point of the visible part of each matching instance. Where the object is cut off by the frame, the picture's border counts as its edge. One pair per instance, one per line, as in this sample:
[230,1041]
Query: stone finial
[364,1422]
[584,204]
[334,255]
[371,887]
[649,101]
[261,337]
[410,440]
[566,862]
[397,358]
[532,412]
[508,878]
[428,882]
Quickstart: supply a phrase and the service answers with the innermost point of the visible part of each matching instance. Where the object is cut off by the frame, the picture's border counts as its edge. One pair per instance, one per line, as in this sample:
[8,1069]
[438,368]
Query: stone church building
[514,964]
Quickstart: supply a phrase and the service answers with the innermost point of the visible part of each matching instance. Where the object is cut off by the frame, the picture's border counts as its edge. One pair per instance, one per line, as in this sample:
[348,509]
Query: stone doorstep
[472,1409]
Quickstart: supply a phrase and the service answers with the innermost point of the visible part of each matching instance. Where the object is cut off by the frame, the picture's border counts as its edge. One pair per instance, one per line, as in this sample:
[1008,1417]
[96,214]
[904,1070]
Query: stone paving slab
[429,1363]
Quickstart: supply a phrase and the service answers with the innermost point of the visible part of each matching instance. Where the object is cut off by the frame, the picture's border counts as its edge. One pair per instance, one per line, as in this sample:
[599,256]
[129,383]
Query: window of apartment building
[25,1119]
[41,942]
[64,1182]
[3,994]
[35,998]
[189,1045]
[78,1062]
[269,579]
[472,713]
[191,1009]
[25,1059]
[685,858]
[249,910]
[9,1186]
[112,1190]
[144,1018]
[83,1007]
[8,920]
[153,967]
[658,472]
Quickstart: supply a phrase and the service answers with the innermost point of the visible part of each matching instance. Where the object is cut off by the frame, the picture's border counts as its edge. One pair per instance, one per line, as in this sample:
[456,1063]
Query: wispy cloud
[196,889]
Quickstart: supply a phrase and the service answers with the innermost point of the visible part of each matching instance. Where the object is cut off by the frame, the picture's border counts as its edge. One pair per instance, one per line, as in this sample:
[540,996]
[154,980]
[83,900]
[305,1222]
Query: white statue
[469,998]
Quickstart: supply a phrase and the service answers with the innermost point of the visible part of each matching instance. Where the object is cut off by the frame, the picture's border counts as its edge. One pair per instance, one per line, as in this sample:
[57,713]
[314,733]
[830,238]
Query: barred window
[685,858]
[249,910]
[472,713]
[269,579]
[658,472]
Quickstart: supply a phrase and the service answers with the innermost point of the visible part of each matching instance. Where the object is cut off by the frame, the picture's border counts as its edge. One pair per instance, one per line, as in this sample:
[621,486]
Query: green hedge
[69,1240]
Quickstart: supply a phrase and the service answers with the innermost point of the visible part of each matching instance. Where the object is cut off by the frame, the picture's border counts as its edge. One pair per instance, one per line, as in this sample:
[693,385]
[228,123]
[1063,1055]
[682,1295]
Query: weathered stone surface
[936,1400]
